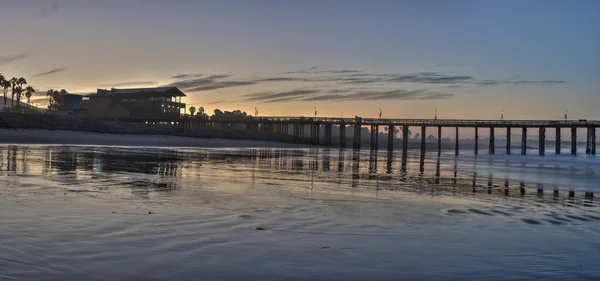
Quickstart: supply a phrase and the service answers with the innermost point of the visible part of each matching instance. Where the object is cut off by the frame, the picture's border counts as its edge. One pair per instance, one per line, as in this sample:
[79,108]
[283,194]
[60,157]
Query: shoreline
[82,138]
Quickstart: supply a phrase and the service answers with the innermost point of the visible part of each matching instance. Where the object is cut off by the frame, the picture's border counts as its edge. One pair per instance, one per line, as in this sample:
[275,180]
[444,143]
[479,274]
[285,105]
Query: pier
[314,127]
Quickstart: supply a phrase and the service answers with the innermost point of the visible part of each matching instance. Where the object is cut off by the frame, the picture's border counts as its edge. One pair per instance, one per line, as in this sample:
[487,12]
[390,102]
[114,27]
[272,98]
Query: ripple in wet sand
[592,217]
[577,218]
[480,212]
[501,212]
[555,222]
[531,221]
[559,218]
[454,211]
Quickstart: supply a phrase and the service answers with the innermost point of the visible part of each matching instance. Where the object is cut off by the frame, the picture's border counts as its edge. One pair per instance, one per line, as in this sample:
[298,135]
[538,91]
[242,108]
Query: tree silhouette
[13,85]
[6,85]
[2,79]
[56,102]
[28,91]
[192,111]
[20,83]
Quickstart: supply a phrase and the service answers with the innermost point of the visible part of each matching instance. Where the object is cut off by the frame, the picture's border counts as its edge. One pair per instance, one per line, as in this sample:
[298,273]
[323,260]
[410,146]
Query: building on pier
[137,103]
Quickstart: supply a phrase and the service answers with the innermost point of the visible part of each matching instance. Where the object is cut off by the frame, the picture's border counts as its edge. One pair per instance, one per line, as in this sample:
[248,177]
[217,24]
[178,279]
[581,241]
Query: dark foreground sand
[37,136]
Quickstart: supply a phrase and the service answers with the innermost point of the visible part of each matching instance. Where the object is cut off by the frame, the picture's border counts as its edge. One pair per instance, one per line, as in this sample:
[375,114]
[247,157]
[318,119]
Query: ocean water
[126,213]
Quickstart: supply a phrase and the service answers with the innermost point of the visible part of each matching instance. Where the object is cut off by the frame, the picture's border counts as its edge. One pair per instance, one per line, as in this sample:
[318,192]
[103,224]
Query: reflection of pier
[320,130]
[409,173]
[159,169]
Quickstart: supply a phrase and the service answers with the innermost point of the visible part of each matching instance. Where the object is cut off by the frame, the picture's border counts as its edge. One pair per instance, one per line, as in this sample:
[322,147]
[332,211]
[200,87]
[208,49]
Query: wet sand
[98,213]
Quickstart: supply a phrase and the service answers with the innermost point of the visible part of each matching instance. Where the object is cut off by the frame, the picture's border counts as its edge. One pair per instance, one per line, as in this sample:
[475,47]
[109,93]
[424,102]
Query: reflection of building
[139,103]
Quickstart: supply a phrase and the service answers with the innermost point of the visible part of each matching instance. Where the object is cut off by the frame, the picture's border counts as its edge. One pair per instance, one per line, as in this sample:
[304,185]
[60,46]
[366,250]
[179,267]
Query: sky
[468,59]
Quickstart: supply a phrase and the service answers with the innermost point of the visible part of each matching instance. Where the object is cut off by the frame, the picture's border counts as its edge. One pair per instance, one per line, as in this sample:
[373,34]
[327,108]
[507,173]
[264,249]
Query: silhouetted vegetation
[218,112]
[56,101]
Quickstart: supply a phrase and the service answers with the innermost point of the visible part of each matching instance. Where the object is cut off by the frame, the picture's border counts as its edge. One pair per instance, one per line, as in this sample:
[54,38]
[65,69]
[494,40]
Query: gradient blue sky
[468,59]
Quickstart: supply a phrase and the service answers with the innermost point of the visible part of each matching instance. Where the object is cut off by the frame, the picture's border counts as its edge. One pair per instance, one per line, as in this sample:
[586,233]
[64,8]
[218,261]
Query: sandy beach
[40,136]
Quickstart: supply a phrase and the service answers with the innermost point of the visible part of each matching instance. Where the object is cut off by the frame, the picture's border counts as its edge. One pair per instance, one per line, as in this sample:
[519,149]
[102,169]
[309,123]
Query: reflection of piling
[524,141]
[492,148]
[343,135]
[508,140]
[557,141]
[573,140]
[341,161]
[589,195]
[456,143]
[404,147]
[439,140]
[404,140]
[571,194]
[476,140]
[423,144]
[390,143]
[542,139]
[357,132]
[522,188]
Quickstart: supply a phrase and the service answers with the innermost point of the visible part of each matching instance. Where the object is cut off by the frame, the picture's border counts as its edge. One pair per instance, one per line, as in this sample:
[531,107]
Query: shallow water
[117,213]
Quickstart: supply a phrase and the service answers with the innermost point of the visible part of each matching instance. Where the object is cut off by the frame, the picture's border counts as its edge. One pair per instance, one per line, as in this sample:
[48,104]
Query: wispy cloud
[56,70]
[208,83]
[275,97]
[185,76]
[13,58]
[519,82]
[306,70]
[217,102]
[312,95]
[49,8]
[127,84]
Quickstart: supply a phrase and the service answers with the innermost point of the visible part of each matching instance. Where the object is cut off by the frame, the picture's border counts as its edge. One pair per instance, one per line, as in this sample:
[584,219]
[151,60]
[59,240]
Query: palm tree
[28,91]
[5,84]
[192,110]
[13,85]
[2,85]
[21,81]
[201,111]
[54,99]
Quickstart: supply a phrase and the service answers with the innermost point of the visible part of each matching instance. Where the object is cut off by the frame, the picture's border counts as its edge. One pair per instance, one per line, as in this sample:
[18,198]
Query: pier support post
[492,148]
[508,140]
[357,131]
[390,144]
[328,130]
[557,141]
[423,144]
[524,141]
[456,147]
[593,140]
[374,137]
[542,139]
[439,140]
[318,133]
[476,140]
[343,135]
[590,145]
[574,140]
[296,131]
